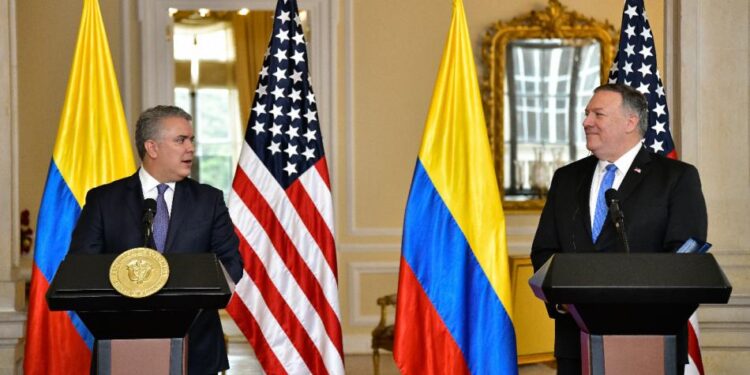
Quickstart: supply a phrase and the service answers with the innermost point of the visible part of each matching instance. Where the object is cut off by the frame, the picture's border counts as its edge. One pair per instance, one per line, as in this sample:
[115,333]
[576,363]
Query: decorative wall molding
[362,247]
[356,269]
[357,344]
[9,137]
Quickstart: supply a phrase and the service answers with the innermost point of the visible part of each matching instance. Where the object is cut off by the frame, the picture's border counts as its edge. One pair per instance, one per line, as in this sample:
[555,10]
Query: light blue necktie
[161,221]
[600,213]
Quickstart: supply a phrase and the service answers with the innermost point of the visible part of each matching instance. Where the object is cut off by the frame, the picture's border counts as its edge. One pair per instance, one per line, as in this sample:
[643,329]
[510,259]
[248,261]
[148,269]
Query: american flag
[286,303]
[635,66]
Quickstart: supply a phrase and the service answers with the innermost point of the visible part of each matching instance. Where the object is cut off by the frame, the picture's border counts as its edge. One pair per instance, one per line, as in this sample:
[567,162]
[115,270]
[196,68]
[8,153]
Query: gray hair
[149,124]
[632,100]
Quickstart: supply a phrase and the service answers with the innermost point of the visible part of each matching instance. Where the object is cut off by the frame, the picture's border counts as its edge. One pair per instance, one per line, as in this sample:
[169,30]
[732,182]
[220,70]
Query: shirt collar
[624,162]
[148,182]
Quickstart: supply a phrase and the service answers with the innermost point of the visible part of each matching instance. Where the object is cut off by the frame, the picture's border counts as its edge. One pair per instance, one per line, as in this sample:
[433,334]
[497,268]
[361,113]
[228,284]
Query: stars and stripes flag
[635,66]
[286,303]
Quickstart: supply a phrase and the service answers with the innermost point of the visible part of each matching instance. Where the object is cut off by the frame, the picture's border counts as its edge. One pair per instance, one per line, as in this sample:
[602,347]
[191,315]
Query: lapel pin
[637,170]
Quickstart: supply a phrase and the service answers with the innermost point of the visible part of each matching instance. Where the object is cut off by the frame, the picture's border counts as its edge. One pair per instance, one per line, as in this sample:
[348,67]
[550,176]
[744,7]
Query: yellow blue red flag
[453,314]
[92,148]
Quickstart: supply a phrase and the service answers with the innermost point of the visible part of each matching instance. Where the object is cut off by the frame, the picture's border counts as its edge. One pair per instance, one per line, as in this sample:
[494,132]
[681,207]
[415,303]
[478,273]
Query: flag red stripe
[281,311]
[314,222]
[72,356]
[426,338]
[322,167]
[255,202]
[318,228]
[259,207]
[694,349]
[249,327]
[276,198]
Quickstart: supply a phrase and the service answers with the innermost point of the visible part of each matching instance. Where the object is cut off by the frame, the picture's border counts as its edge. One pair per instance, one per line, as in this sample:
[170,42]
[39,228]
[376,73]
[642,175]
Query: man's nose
[587,120]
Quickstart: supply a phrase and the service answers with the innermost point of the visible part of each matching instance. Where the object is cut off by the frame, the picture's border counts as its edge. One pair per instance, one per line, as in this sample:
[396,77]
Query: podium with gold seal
[139,305]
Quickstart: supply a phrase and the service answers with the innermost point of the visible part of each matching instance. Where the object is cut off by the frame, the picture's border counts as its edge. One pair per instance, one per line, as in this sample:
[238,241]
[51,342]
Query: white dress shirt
[149,184]
[623,164]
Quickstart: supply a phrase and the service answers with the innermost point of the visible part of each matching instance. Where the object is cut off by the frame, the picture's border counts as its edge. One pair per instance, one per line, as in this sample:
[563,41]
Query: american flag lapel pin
[637,170]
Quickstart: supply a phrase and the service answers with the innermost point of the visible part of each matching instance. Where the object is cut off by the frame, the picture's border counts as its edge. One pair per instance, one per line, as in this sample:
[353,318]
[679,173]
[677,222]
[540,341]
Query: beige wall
[388,56]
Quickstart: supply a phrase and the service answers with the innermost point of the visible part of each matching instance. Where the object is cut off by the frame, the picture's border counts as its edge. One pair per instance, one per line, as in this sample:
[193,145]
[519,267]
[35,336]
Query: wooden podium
[139,335]
[630,307]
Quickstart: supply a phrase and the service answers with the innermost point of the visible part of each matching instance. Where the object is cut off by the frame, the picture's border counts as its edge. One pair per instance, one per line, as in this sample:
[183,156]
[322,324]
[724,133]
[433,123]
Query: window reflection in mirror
[549,82]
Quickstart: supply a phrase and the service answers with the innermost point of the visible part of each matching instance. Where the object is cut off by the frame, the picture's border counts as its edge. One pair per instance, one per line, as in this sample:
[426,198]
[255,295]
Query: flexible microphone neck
[149,211]
[617,216]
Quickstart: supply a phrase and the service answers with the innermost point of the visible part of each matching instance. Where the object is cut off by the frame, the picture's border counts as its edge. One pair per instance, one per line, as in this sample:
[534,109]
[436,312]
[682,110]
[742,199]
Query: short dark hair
[148,125]
[632,100]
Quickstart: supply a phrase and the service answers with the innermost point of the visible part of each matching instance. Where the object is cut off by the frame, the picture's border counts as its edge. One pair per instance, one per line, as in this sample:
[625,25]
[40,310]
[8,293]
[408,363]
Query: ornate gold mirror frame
[554,22]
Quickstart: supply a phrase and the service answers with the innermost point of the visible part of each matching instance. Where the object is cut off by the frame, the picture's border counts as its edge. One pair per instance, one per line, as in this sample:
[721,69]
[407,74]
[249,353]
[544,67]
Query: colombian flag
[453,309]
[92,148]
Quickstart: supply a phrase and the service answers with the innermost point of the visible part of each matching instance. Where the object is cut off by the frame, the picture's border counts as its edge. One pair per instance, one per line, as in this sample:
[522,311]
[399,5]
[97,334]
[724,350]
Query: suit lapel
[584,190]
[638,169]
[180,201]
[134,199]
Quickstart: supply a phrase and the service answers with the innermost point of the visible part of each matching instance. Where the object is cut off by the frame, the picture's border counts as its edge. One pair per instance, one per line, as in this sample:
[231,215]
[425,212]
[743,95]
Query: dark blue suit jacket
[663,205]
[111,222]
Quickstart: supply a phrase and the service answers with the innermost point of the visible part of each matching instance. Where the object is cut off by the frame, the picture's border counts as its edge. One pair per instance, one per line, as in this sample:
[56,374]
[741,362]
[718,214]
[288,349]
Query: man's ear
[152,148]
[632,123]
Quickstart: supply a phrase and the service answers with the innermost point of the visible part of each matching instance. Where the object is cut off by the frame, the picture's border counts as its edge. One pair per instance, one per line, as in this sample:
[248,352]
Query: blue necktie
[600,213]
[161,221]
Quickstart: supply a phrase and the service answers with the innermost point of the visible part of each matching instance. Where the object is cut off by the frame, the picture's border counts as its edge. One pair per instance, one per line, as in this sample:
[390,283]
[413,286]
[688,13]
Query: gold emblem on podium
[139,272]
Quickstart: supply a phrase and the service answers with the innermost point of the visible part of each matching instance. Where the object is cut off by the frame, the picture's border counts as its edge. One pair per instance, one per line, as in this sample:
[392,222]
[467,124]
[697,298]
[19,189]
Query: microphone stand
[148,220]
[619,219]
[149,211]
[620,225]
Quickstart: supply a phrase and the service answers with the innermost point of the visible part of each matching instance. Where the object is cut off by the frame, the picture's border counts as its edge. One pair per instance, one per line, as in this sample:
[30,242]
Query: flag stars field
[645,70]
[643,88]
[637,50]
[631,11]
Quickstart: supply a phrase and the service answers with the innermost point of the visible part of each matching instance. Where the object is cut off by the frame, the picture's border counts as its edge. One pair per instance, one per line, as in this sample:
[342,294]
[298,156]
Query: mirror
[541,70]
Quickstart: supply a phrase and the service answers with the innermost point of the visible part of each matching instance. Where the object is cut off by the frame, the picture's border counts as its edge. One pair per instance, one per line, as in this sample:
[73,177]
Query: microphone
[617,216]
[149,211]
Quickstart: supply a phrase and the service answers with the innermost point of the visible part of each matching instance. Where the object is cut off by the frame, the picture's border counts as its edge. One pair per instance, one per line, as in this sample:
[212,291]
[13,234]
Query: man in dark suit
[660,197]
[198,219]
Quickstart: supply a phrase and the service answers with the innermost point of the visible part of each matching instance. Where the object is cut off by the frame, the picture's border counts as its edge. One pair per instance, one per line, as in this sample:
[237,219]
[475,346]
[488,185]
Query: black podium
[630,307]
[139,335]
